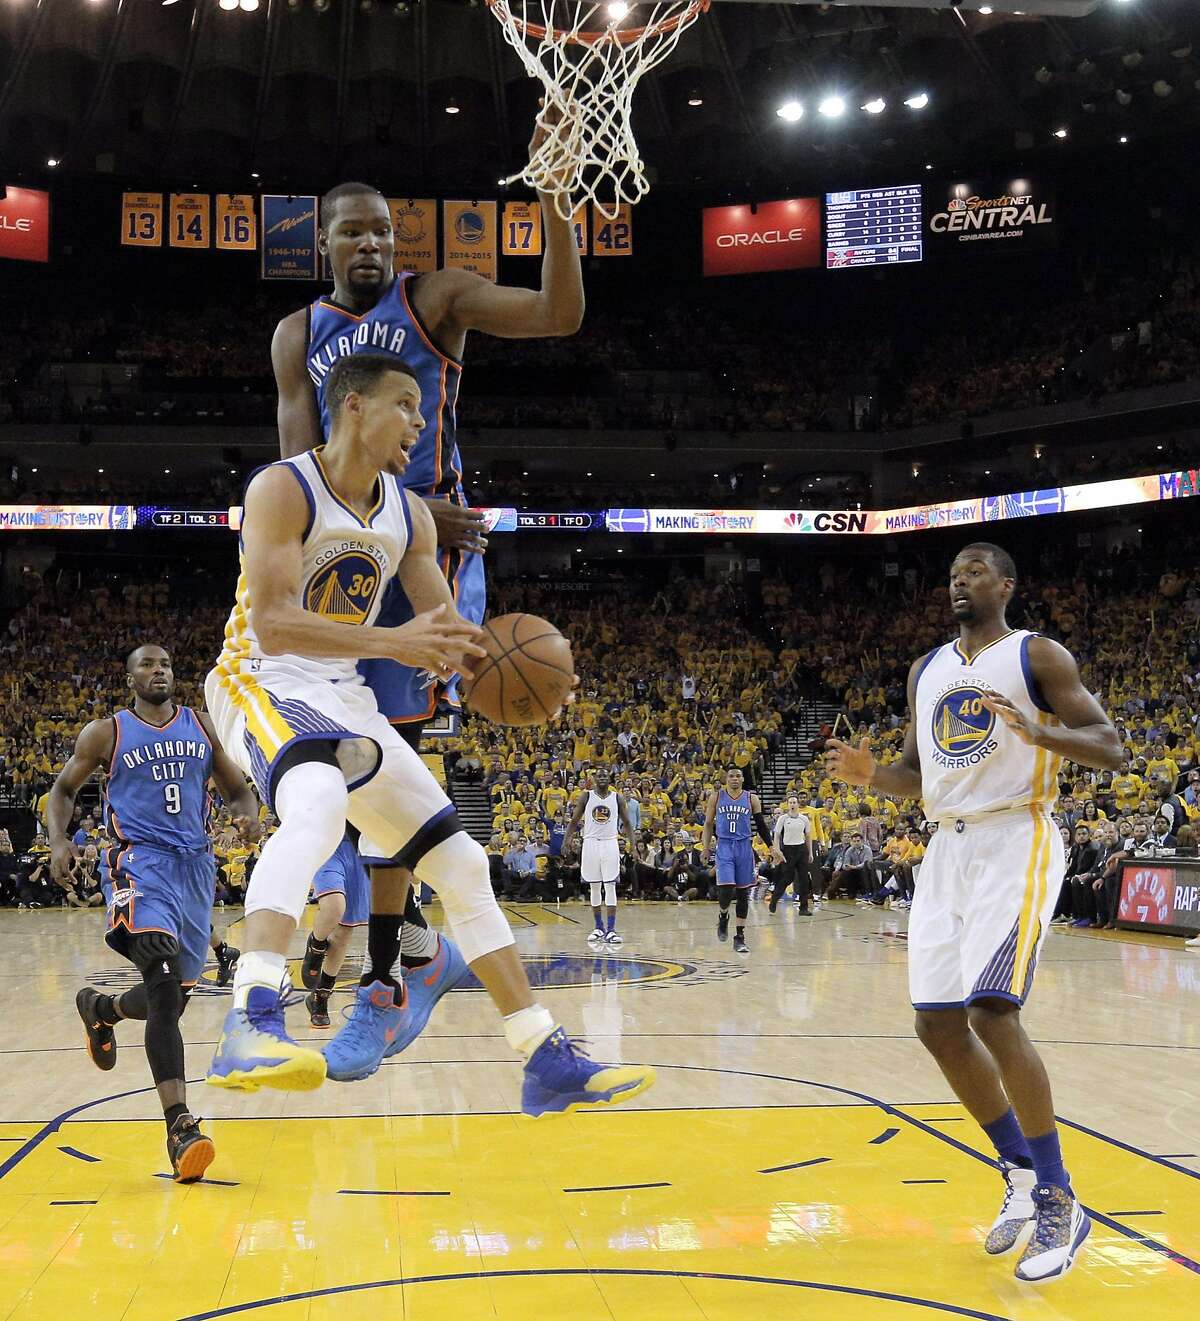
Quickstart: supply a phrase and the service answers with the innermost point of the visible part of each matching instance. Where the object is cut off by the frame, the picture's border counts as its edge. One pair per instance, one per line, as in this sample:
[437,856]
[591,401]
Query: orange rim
[626,38]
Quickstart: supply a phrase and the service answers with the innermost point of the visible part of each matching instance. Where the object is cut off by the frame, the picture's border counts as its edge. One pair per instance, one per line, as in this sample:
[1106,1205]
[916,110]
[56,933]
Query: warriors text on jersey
[157,790]
[347,561]
[391,328]
[971,762]
[600,816]
[733,816]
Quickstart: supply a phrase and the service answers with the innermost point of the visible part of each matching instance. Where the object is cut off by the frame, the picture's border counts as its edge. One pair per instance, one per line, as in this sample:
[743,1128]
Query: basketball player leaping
[322,535]
[160,876]
[601,810]
[995,713]
[729,813]
[423,320]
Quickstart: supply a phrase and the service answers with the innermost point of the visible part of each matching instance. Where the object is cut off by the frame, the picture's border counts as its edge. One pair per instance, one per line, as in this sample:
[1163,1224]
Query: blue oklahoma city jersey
[733,818]
[434,468]
[157,790]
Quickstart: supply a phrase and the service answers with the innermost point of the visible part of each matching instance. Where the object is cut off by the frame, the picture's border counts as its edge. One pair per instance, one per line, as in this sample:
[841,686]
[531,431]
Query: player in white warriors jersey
[995,714]
[601,811]
[322,534]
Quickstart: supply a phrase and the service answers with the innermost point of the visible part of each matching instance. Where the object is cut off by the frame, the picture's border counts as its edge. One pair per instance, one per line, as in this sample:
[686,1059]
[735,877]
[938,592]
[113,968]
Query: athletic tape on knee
[610,893]
[597,890]
[458,870]
[310,799]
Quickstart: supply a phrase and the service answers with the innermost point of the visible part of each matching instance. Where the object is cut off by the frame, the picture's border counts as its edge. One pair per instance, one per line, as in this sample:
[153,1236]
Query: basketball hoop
[590,67]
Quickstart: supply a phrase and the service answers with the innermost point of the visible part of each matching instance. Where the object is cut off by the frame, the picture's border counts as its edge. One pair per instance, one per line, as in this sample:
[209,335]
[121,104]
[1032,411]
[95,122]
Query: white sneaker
[612,938]
[1059,1229]
[1194,943]
[597,937]
[1016,1212]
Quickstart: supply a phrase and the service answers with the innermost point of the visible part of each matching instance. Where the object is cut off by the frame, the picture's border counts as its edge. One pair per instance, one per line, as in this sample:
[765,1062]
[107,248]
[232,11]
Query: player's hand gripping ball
[528,674]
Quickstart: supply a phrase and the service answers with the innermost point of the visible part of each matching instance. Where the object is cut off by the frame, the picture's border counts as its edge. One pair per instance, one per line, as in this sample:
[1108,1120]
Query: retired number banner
[237,224]
[141,220]
[414,229]
[469,237]
[189,220]
[612,238]
[289,240]
[521,230]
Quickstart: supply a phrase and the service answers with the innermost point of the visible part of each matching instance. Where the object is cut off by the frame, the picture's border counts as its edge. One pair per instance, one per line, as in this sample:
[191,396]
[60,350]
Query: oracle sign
[25,225]
[773,236]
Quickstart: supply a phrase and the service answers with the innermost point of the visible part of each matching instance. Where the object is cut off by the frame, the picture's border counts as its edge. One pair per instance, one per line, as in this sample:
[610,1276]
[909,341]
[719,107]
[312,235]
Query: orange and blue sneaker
[255,1050]
[425,987]
[190,1151]
[101,1039]
[559,1079]
[375,1022]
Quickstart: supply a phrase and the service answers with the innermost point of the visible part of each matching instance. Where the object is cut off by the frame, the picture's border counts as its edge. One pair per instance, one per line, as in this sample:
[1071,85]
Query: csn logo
[842,520]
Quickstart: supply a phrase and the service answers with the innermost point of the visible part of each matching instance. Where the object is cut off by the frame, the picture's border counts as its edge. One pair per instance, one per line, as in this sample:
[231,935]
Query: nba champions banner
[763,236]
[469,238]
[289,238]
[913,518]
[1013,215]
[414,227]
[25,225]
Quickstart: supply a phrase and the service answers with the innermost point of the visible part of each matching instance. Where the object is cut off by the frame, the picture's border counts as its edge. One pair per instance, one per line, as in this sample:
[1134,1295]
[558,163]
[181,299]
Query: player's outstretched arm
[275,517]
[1086,735]
[298,419]
[902,778]
[93,749]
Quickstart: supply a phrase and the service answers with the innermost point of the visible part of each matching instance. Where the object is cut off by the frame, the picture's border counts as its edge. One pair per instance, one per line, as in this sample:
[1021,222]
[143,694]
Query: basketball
[528,672]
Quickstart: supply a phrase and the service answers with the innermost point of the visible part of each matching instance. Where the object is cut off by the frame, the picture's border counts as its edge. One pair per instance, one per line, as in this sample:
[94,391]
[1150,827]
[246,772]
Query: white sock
[418,942]
[257,969]
[528,1028]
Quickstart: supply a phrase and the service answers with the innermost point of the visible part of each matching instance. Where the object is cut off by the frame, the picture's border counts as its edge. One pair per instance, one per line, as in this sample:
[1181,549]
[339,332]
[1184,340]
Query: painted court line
[79,1155]
[799,1165]
[616,1187]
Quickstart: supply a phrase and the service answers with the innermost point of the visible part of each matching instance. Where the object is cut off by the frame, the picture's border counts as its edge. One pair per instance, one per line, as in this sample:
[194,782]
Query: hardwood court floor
[800,1157]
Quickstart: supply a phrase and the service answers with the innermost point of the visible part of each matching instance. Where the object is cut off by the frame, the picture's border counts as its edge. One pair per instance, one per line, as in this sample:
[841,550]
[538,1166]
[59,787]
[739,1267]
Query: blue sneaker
[559,1078]
[374,1023]
[255,1050]
[425,987]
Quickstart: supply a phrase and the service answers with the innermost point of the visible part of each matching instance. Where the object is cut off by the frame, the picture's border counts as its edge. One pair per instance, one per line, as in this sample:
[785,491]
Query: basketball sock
[739,932]
[317,946]
[107,1011]
[382,963]
[132,1004]
[1046,1152]
[326,983]
[412,909]
[598,919]
[172,1113]
[528,1028]
[1006,1136]
[418,944]
[258,968]
[612,919]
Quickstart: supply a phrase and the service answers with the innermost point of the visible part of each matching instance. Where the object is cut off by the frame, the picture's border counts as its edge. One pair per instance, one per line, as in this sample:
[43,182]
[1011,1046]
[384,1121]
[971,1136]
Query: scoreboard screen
[874,227]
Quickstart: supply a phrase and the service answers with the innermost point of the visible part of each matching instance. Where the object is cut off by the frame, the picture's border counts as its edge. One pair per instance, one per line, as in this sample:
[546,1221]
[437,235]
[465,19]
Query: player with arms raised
[423,320]
[160,876]
[995,714]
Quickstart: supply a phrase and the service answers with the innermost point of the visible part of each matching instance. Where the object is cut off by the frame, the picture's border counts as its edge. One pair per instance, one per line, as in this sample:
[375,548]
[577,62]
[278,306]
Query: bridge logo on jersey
[601,813]
[344,589]
[962,727]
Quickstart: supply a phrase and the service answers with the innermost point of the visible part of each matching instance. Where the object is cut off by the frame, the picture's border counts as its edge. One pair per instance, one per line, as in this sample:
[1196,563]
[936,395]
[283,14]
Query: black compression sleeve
[764,834]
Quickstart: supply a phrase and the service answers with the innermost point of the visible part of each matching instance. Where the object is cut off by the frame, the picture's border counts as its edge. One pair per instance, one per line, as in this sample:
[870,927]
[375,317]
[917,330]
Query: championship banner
[237,224]
[189,220]
[521,230]
[1017,214]
[289,240]
[141,220]
[579,225]
[469,237]
[612,238]
[68,518]
[414,228]
[25,225]
[769,236]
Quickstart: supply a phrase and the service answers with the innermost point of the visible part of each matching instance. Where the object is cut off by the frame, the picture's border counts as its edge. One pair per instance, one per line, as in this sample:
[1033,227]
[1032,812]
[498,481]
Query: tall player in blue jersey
[423,320]
[729,815]
[159,877]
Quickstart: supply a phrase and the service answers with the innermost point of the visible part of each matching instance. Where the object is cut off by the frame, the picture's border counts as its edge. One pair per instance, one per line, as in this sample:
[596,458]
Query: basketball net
[589,67]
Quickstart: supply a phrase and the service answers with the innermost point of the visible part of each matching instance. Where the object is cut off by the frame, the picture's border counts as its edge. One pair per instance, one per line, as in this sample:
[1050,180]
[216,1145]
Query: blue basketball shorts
[401,692]
[735,863]
[345,874]
[148,889]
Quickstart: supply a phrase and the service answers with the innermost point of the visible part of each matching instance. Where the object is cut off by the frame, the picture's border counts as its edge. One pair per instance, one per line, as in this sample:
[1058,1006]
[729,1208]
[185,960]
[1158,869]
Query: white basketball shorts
[600,860]
[984,898]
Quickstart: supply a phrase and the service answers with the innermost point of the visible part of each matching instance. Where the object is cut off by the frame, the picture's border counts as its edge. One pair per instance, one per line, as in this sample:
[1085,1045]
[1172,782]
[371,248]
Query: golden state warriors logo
[469,227]
[344,588]
[962,727]
[601,813]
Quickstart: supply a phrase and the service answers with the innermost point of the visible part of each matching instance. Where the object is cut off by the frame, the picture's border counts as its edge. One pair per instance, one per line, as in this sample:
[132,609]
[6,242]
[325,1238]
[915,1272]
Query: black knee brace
[164,1004]
[743,904]
[724,896]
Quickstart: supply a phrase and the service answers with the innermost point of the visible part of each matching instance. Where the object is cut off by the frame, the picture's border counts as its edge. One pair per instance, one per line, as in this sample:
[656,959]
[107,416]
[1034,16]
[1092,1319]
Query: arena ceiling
[423,94]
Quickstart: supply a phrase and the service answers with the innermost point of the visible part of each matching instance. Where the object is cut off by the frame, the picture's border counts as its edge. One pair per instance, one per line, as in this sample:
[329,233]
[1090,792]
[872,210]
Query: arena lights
[918,101]
[791,111]
[228,5]
[876,106]
[52,162]
[1061,133]
[695,99]
[452,107]
[832,107]
[985,10]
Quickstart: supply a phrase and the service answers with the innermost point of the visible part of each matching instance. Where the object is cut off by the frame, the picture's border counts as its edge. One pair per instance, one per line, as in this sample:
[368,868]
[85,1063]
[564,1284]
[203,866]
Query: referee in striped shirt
[793,839]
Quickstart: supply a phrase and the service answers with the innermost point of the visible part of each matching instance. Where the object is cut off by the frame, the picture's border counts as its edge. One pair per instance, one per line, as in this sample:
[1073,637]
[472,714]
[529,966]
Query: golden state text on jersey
[961,727]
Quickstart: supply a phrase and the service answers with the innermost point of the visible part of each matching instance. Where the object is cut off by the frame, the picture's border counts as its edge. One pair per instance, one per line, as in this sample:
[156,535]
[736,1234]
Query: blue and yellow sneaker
[559,1078]
[425,987]
[255,1050]
[375,1022]
[1059,1229]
